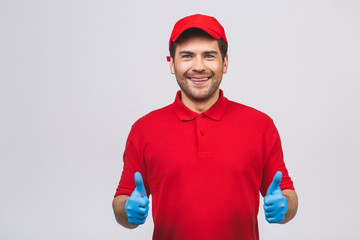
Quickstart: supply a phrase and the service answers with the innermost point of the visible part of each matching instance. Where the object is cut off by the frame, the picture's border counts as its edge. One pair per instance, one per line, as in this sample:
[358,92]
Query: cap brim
[207,30]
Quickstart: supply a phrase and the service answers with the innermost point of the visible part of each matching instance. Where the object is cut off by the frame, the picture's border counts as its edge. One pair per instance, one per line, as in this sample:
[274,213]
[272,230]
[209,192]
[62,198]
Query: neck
[199,106]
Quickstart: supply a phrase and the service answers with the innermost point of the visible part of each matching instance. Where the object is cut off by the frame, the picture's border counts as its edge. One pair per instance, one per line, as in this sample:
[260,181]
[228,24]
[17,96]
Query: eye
[209,56]
[186,56]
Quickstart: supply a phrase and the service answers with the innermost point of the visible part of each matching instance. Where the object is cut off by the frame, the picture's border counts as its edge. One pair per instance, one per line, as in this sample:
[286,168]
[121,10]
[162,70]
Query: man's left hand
[275,203]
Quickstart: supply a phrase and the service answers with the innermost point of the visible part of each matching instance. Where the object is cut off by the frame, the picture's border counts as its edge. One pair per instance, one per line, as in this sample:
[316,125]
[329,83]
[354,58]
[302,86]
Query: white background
[75,75]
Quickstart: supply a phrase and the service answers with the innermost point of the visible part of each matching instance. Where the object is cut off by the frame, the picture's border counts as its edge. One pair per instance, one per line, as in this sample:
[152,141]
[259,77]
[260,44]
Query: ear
[225,64]
[172,67]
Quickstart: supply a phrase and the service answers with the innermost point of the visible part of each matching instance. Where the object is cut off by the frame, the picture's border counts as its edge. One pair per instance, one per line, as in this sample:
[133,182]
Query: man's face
[198,67]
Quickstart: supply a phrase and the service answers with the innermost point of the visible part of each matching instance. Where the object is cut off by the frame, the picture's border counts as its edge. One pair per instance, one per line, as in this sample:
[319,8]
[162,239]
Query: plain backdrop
[75,75]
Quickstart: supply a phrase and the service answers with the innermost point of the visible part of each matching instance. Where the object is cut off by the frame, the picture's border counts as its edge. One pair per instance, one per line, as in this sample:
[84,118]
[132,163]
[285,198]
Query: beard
[199,94]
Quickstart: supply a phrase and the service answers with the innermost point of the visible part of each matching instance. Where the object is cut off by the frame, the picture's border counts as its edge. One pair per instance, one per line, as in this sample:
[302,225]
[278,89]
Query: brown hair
[196,32]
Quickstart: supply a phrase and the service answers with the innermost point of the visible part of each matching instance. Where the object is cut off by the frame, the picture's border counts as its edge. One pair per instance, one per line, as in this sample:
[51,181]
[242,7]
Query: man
[204,159]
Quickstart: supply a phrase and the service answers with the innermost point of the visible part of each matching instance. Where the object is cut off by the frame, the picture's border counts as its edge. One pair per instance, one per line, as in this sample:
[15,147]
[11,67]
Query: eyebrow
[186,52]
[206,52]
[211,52]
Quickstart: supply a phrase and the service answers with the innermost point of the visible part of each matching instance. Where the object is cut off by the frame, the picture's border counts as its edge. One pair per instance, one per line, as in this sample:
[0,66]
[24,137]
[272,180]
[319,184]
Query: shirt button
[202,132]
[201,116]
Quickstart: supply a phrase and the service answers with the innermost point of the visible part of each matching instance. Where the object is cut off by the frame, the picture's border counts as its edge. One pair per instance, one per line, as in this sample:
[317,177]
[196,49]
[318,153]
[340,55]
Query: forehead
[197,44]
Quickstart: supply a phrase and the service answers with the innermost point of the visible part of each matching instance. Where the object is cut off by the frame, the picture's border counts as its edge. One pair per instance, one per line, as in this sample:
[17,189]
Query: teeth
[199,79]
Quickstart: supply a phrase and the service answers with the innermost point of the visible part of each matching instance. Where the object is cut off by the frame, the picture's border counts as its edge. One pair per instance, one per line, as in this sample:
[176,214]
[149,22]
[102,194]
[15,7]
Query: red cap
[206,23]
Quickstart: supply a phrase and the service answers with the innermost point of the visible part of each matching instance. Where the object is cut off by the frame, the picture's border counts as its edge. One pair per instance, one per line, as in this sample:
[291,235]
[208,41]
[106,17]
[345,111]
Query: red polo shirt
[204,171]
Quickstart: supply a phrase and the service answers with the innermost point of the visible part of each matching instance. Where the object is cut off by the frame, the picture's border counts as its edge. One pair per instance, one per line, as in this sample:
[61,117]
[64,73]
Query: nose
[199,65]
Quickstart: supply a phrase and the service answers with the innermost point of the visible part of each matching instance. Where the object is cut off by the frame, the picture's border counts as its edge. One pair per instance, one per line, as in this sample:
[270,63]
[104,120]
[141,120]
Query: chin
[203,97]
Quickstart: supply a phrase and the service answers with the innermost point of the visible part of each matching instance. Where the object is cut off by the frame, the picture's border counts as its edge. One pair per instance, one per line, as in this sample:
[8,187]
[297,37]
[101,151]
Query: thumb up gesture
[275,203]
[137,205]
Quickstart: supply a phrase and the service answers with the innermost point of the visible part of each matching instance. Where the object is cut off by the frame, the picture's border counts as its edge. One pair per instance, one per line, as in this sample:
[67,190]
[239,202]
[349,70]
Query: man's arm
[279,206]
[131,211]
[119,211]
[292,204]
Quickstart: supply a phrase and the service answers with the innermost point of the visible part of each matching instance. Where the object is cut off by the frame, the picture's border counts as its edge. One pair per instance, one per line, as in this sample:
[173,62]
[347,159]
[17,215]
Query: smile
[199,79]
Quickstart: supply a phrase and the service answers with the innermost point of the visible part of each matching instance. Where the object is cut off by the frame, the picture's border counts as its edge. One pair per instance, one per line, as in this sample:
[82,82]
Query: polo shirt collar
[215,112]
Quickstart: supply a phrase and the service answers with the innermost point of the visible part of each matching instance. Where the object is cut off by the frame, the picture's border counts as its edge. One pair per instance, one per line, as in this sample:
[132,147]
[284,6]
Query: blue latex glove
[275,203]
[137,205]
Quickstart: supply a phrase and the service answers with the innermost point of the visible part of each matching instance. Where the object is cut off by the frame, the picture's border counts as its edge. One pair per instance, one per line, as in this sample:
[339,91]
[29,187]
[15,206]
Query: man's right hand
[137,205]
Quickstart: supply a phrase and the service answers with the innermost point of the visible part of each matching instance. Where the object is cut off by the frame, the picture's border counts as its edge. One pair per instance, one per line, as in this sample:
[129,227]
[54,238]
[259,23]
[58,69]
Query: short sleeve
[274,161]
[133,162]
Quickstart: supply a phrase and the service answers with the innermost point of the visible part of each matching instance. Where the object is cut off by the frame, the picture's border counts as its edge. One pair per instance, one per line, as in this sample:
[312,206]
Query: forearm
[292,204]
[119,211]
